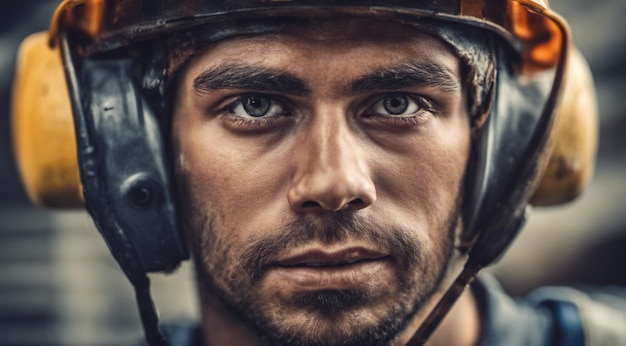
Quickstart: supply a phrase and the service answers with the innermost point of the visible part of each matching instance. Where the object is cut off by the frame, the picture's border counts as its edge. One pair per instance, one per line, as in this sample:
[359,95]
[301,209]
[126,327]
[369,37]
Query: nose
[330,170]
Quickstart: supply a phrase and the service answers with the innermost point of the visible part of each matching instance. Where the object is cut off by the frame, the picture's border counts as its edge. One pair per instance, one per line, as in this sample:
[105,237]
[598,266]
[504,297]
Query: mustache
[259,254]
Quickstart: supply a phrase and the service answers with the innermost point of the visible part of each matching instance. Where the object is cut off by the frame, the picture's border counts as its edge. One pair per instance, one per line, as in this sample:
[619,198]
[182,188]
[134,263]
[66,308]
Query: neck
[461,326]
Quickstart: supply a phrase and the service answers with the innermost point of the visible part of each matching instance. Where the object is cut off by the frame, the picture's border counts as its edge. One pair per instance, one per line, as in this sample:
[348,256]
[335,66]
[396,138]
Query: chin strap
[445,304]
[148,313]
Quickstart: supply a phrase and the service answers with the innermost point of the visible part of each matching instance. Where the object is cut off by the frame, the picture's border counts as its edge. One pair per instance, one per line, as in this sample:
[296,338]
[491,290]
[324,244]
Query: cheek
[425,179]
[230,180]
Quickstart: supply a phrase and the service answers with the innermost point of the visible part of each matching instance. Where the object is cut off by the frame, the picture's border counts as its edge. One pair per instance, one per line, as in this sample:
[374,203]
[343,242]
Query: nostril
[356,204]
[310,204]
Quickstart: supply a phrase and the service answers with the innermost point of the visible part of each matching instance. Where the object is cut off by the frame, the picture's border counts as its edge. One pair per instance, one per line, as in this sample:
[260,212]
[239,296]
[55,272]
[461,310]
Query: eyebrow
[418,74]
[234,76]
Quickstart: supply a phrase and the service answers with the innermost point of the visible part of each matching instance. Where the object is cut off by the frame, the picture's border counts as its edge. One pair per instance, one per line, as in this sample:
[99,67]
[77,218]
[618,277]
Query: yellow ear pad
[574,138]
[43,131]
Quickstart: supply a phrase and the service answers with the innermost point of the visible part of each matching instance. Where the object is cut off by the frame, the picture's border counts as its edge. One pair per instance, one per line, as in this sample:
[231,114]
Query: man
[340,172]
[335,244]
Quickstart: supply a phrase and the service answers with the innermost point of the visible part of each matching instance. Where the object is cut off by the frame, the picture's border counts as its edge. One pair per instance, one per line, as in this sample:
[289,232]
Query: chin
[337,317]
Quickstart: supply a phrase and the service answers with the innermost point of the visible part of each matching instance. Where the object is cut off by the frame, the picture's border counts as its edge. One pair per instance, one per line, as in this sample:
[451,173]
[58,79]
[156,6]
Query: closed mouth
[329,264]
[319,258]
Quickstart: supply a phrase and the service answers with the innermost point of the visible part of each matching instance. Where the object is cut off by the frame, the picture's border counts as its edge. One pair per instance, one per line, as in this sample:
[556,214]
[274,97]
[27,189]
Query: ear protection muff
[517,144]
[123,166]
[43,129]
[573,140]
[133,194]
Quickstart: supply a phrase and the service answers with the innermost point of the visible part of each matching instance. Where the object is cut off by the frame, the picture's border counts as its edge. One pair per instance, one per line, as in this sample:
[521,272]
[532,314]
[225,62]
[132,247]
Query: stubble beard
[357,316]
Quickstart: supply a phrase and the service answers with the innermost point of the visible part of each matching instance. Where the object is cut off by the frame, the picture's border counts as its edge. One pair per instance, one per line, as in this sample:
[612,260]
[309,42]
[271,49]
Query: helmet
[112,57]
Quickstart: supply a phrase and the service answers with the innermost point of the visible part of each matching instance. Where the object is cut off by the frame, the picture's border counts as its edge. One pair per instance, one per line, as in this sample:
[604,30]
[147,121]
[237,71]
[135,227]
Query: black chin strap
[148,313]
[445,304]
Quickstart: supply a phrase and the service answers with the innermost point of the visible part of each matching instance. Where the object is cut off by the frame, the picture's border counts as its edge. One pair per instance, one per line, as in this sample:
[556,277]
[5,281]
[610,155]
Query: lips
[326,263]
[314,270]
[319,258]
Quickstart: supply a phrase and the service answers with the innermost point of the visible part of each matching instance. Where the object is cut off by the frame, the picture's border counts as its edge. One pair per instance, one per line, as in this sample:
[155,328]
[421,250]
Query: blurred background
[60,286]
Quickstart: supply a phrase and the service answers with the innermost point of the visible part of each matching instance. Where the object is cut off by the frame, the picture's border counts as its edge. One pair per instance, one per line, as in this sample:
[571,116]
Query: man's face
[319,174]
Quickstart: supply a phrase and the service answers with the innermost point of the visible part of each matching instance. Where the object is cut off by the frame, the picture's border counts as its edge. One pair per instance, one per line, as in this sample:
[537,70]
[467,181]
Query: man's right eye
[256,106]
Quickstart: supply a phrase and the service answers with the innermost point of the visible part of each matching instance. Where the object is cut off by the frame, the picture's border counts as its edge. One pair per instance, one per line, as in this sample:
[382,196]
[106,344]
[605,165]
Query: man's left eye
[398,105]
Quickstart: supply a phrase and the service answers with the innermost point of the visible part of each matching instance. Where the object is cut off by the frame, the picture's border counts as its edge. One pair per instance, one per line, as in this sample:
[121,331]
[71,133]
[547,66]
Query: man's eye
[396,105]
[256,106]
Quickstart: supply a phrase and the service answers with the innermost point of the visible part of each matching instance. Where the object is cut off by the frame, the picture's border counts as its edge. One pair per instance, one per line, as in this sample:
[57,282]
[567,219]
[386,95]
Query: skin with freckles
[320,174]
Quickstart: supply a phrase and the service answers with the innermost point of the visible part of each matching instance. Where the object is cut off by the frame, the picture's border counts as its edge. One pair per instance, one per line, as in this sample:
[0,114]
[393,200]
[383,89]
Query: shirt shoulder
[602,312]
[550,316]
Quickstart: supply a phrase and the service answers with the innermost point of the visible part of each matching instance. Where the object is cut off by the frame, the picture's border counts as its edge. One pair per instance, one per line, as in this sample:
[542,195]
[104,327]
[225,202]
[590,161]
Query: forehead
[353,45]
